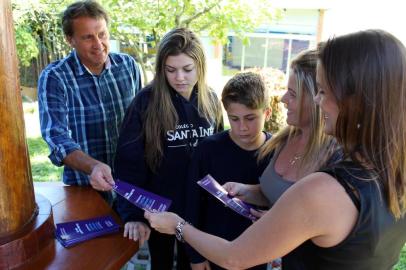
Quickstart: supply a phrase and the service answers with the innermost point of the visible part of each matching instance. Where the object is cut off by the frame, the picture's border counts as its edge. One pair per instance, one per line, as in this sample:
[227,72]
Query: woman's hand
[163,222]
[137,231]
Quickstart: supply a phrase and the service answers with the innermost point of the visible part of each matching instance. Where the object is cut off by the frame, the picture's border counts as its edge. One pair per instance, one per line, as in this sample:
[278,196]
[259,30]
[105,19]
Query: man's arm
[100,173]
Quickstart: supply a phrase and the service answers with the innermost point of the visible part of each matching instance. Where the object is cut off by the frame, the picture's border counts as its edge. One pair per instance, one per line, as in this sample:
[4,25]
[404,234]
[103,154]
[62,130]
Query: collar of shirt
[80,68]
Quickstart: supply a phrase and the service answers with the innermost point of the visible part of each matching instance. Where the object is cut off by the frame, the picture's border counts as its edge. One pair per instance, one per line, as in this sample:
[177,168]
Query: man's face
[90,39]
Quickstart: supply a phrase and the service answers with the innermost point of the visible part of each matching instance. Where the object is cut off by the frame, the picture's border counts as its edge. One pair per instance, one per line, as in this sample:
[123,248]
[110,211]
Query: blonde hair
[320,146]
[366,72]
[161,115]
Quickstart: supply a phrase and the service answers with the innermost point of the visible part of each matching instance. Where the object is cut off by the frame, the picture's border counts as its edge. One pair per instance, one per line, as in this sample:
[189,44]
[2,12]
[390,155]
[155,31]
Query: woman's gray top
[272,184]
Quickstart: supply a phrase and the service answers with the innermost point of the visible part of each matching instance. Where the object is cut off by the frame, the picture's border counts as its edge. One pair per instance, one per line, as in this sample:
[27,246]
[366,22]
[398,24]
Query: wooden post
[17,200]
[320,25]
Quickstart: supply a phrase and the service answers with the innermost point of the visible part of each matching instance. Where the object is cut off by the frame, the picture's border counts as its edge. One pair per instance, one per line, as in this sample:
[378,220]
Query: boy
[229,156]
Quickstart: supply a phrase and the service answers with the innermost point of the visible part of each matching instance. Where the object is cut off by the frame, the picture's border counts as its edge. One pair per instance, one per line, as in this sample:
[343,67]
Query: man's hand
[99,173]
[137,231]
[101,178]
[200,266]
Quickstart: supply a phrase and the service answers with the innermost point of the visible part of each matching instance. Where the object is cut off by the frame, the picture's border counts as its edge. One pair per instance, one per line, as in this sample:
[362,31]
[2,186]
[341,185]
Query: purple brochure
[214,188]
[71,233]
[141,198]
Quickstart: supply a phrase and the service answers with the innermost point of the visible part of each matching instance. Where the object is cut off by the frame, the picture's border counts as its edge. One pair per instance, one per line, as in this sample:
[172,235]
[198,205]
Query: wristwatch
[179,230]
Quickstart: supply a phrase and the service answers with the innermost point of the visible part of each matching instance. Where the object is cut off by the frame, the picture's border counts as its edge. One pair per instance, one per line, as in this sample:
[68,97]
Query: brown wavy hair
[366,72]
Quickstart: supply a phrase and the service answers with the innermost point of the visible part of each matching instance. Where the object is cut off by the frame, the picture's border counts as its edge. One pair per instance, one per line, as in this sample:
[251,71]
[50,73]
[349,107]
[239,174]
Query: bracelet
[179,230]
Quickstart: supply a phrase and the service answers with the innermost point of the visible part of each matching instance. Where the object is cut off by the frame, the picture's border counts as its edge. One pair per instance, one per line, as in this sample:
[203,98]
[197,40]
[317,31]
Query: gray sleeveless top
[272,184]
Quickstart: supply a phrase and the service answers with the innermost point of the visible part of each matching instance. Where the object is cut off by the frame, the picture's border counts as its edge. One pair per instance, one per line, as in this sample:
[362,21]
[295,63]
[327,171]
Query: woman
[162,126]
[298,150]
[352,212]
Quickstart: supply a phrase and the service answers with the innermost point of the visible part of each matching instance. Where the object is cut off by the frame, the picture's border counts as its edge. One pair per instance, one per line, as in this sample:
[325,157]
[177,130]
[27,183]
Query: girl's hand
[137,231]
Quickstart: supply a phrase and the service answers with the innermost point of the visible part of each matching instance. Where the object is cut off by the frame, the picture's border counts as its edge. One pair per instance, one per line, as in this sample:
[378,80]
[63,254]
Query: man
[83,98]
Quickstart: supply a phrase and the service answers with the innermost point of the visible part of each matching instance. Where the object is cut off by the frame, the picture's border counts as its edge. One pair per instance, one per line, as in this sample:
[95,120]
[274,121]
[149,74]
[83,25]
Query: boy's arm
[248,193]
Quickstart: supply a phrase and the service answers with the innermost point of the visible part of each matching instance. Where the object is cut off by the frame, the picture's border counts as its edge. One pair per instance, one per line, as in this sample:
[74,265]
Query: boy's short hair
[246,88]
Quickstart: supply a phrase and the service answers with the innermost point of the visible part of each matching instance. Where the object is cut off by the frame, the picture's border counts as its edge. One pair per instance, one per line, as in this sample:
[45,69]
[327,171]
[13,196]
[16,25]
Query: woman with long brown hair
[352,212]
[162,126]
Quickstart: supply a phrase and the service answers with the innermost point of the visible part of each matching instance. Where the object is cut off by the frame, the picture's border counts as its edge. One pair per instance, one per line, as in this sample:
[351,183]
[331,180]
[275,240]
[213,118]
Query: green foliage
[140,24]
[38,33]
[401,265]
[26,45]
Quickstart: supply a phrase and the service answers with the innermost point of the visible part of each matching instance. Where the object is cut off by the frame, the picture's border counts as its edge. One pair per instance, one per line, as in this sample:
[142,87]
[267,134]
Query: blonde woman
[297,150]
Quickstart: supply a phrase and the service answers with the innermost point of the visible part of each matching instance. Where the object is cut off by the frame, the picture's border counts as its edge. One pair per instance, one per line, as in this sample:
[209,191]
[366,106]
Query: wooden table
[73,203]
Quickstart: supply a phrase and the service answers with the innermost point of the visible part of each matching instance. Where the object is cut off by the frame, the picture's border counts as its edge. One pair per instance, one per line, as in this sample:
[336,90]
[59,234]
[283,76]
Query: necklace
[294,159]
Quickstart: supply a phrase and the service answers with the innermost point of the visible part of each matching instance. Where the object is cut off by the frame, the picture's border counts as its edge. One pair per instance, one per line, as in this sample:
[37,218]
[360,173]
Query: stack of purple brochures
[72,233]
[141,198]
[214,188]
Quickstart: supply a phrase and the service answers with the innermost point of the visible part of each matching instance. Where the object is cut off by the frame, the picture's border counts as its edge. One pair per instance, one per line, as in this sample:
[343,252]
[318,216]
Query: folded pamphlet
[214,188]
[141,198]
[74,232]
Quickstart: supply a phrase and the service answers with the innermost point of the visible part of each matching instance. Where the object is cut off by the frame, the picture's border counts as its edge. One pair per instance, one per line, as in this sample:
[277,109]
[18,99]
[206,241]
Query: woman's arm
[316,208]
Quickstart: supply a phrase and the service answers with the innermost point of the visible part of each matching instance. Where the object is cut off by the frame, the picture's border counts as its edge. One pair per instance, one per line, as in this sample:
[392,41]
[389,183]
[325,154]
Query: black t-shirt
[377,238]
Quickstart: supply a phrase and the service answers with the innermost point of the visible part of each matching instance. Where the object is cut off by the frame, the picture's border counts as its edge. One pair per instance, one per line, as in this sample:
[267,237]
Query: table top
[70,203]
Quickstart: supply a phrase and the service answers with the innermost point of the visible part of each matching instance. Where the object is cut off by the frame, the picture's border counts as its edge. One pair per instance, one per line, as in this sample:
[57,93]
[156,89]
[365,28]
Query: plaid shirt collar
[80,68]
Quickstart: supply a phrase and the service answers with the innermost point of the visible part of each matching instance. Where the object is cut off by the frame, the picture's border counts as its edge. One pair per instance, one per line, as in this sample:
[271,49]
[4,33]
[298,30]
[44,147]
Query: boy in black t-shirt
[229,156]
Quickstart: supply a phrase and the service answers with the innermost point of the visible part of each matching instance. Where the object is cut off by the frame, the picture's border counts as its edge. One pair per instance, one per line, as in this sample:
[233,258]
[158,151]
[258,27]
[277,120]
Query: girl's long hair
[320,146]
[161,115]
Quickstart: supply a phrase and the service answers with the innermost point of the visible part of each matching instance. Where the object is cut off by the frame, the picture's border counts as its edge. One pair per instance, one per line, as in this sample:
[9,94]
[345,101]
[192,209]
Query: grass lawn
[41,167]
[43,170]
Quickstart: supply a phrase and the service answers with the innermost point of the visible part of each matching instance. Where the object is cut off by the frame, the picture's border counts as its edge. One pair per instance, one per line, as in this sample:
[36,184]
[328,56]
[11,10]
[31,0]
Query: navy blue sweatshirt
[220,157]
[169,180]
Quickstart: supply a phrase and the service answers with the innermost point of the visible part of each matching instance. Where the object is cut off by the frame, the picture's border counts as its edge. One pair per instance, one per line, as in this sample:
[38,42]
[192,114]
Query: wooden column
[17,200]
[320,26]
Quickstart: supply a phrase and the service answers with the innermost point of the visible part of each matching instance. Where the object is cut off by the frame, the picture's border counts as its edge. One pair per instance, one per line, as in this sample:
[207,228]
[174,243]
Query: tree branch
[187,21]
